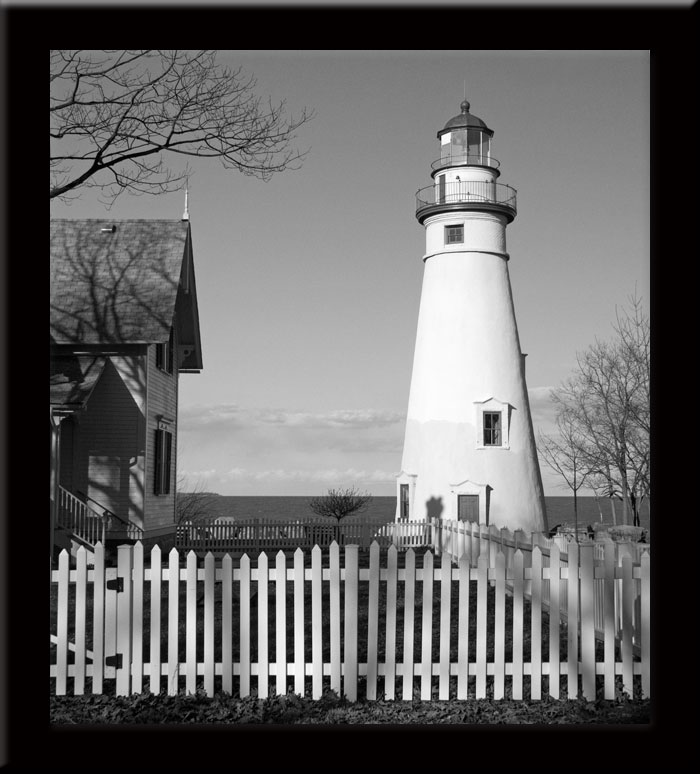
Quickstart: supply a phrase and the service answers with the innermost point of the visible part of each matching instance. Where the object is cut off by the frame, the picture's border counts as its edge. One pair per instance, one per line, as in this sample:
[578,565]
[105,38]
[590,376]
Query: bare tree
[606,400]
[339,503]
[116,113]
[565,454]
[193,503]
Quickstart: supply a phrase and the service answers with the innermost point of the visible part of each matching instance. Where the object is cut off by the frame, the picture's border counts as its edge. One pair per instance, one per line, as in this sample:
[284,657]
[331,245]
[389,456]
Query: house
[124,325]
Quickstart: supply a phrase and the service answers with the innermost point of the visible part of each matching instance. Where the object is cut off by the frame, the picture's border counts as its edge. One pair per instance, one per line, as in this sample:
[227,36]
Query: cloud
[232,415]
[245,450]
[328,476]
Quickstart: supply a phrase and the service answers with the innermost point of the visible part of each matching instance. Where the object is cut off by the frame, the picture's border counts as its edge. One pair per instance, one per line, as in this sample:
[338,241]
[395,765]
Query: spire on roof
[186,213]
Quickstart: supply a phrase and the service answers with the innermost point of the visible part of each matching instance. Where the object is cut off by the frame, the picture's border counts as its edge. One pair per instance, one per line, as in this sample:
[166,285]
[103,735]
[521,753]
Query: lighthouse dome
[465,120]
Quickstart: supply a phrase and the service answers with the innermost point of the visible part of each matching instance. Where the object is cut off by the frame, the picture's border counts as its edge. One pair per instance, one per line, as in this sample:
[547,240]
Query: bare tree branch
[114,114]
[606,404]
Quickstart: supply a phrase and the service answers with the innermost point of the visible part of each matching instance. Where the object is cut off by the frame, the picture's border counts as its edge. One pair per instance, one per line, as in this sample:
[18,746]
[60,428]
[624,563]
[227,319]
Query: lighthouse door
[468,508]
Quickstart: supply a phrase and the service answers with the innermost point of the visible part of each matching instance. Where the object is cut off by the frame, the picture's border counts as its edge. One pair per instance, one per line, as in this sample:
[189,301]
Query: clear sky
[309,284]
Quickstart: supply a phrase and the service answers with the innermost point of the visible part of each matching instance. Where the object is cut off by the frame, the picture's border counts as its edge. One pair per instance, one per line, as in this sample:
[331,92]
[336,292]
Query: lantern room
[465,141]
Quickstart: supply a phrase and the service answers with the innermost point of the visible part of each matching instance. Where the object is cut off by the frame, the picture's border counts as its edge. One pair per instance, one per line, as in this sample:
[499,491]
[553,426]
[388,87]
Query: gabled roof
[116,282]
[73,378]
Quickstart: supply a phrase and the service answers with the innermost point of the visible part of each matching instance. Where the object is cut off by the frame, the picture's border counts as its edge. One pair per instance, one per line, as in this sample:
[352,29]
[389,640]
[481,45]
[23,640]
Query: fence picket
[299,661]
[373,621]
[555,584]
[426,666]
[110,628]
[408,623]
[137,619]
[517,624]
[263,623]
[98,619]
[445,609]
[390,639]
[499,665]
[80,611]
[645,612]
[463,628]
[350,634]
[281,622]
[481,600]
[572,592]
[587,622]
[173,672]
[154,655]
[62,624]
[191,623]
[316,623]
[124,613]
[609,620]
[536,626]
[627,622]
[227,624]
[209,585]
[244,626]
[334,598]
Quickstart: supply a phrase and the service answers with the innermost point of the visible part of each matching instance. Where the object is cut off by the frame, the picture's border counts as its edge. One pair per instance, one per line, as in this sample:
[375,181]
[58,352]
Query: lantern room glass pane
[458,145]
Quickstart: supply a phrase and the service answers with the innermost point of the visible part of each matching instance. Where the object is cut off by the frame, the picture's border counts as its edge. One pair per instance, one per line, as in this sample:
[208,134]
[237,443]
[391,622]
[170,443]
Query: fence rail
[402,626]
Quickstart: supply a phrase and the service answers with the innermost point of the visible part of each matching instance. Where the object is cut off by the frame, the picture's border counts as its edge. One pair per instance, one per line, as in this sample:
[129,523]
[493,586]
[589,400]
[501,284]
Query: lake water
[560,510]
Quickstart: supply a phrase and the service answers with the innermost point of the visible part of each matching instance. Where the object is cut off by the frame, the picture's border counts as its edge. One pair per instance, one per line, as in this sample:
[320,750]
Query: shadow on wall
[434,508]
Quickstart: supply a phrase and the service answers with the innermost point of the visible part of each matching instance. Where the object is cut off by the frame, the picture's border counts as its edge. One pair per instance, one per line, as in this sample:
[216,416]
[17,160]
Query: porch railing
[78,517]
[89,524]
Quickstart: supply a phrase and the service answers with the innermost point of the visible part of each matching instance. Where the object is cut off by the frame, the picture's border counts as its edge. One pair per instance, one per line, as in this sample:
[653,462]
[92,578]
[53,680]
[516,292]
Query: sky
[309,284]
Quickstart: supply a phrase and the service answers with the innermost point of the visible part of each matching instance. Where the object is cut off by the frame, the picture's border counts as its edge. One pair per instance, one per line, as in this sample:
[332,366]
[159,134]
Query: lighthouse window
[492,428]
[454,234]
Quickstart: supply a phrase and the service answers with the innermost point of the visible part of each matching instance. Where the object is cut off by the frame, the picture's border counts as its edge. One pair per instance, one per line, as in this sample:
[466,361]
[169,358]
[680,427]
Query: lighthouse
[469,447]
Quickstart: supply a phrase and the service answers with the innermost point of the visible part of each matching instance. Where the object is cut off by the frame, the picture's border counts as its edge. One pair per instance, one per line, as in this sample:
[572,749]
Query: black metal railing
[115,523]
[465,160]
[478,193]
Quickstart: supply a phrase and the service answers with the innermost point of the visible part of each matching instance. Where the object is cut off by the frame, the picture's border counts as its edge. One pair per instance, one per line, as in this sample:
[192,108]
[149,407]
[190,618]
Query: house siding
[107,457]
[162,401]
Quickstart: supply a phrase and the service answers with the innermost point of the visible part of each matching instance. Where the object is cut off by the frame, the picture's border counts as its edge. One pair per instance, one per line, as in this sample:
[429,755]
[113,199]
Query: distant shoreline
[382,508]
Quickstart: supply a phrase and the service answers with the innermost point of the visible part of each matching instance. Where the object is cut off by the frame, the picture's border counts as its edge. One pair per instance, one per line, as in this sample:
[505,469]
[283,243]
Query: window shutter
[157,475]
[168,438]
[159,355]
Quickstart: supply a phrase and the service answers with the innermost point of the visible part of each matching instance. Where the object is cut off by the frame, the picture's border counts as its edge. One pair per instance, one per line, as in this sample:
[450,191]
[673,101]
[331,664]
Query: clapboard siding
[108,447]
[162,401]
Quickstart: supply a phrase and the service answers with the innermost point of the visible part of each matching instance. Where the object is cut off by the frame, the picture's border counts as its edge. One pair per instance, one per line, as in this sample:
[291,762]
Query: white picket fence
[456,539]
[224,535]
[382,630]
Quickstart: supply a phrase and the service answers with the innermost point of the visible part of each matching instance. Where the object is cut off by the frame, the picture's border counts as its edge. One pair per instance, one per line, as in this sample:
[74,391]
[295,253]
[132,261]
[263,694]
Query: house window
[492,428]
[164,443]
[454,234]
[164,355]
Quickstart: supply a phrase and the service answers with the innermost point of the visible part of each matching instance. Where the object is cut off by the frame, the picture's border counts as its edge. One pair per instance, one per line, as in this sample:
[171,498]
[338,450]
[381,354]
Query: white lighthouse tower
[469,450]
